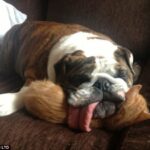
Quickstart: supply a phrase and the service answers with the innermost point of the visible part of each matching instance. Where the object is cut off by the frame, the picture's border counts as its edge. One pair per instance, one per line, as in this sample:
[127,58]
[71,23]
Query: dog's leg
[10,103]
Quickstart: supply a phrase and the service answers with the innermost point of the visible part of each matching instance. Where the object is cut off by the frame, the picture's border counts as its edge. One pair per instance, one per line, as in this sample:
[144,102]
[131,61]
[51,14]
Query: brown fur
[46,100]
[26,47]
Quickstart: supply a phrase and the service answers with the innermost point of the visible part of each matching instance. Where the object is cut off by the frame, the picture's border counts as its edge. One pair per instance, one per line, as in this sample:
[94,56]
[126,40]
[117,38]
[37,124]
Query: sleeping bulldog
[89,66]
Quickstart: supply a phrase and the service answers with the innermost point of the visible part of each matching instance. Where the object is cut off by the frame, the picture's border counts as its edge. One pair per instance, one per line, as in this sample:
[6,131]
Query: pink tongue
[81,117]
[73,115]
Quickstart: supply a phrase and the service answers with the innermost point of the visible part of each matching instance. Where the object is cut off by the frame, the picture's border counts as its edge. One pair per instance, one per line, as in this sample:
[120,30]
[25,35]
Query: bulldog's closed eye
[76,80]
[74,69]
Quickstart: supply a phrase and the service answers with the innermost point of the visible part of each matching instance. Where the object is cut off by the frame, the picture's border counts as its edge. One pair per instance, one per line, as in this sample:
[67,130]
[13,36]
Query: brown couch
[128,23]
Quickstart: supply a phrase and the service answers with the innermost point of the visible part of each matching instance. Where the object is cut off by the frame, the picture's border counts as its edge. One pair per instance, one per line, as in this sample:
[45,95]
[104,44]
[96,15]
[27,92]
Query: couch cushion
[137,137]
[126,21]
[23,132]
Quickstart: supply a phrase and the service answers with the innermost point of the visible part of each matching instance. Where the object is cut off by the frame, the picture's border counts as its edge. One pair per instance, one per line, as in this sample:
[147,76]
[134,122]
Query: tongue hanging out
[81,117]
[95,101]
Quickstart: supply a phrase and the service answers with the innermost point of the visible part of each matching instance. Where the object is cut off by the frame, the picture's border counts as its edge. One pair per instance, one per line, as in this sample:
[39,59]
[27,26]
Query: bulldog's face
[85,81]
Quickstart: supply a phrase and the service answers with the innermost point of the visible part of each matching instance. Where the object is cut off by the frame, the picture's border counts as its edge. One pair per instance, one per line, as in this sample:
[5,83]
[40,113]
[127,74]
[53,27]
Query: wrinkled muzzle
[103,87]
[99,98]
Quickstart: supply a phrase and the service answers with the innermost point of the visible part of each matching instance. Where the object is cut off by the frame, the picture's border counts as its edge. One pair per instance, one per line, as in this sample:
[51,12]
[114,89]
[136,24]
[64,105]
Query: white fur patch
[106,64]
[79,98]
[9,103]
[118,83]
[80,41]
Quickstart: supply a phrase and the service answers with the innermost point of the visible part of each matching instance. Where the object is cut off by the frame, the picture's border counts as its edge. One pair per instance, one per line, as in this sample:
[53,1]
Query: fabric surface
[24,132]
[137,137]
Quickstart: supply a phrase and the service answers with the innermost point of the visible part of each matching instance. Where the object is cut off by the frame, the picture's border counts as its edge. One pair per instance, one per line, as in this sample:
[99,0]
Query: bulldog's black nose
[109,91]
[103,84]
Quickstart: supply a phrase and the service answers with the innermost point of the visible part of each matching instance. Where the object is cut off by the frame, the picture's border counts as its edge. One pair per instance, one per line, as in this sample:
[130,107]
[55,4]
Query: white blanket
[9,16]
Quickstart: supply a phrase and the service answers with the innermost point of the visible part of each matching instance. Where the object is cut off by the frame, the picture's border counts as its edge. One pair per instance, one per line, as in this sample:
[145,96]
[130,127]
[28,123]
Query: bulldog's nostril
[98,85]
[106,85]
[102,84]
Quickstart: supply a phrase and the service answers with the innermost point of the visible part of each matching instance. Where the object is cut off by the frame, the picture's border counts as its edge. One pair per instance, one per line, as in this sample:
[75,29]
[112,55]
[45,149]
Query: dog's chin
[105,109]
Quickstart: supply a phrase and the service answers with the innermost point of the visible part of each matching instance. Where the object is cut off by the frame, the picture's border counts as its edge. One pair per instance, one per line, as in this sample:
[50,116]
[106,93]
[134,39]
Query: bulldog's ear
[137,71]
[134,67]
[126,54]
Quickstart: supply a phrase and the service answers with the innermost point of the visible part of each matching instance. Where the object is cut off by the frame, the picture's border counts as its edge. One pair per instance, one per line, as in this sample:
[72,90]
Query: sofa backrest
[126,21]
